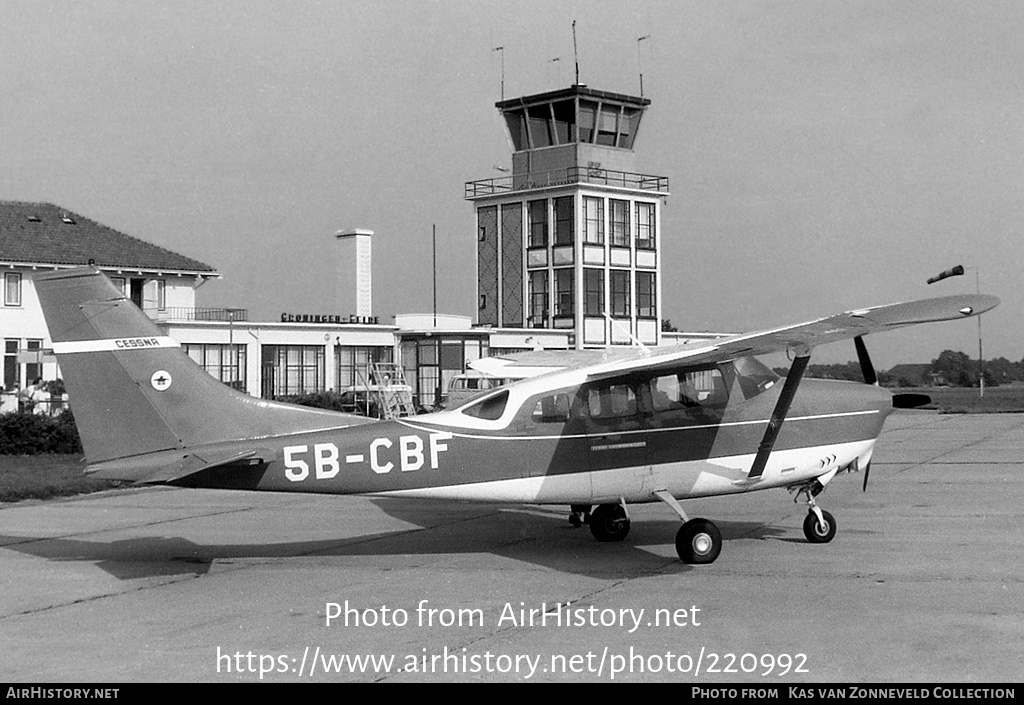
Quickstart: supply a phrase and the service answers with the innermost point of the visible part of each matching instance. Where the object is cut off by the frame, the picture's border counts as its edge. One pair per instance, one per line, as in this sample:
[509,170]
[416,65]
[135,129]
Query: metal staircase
[387,394]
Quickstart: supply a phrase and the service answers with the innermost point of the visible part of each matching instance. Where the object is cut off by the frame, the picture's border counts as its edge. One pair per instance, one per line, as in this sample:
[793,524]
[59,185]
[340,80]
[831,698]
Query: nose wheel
[819,526]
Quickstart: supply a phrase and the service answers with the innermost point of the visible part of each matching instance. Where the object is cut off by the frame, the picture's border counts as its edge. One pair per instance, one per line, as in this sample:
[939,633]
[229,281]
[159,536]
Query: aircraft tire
[609,523]
[698,541]
[812,529]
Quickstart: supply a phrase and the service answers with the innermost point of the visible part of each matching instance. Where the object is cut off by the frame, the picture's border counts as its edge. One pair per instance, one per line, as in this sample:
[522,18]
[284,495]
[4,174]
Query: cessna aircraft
[603,427]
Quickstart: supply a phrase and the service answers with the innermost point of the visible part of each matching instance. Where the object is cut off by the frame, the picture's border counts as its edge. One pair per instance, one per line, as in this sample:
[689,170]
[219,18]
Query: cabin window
[611,402]
[694,388]
[753,376]
[489,409]
[552,409]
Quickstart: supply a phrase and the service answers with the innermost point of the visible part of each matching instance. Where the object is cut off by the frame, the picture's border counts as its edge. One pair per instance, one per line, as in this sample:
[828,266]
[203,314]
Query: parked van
[471,383]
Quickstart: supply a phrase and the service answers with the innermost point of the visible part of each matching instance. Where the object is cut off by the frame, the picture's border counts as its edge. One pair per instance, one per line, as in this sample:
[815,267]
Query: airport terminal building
[568,256]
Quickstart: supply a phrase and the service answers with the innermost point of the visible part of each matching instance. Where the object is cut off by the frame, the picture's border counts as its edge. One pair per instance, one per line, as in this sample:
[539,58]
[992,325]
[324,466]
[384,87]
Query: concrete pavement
[923,582]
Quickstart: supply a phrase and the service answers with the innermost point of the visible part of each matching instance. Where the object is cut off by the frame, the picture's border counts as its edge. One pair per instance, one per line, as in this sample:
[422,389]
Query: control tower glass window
[540,126]
[646,295]
[537,212]
[645,226]
[564,293]
[620,222]
[620,293]
[565,121]
[588,112]
[516,121]
[564,220]
[608,126]
[593,217]
[593,292]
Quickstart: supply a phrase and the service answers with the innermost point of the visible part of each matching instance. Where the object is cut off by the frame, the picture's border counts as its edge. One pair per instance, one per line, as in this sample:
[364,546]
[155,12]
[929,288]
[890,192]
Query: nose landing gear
[819,525]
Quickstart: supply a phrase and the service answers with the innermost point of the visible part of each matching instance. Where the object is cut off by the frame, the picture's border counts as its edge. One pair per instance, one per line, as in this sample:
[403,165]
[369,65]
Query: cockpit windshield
[753,376]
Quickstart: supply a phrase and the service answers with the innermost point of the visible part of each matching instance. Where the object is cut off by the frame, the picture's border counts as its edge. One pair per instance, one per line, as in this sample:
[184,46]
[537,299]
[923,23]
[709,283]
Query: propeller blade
[867,471]
[866,368]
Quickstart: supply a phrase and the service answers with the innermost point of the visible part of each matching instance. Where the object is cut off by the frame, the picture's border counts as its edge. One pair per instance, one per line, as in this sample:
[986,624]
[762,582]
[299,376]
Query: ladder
[385,387]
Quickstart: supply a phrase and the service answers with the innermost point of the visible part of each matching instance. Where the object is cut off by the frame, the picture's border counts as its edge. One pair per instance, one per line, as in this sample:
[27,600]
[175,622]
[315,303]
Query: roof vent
[67,219]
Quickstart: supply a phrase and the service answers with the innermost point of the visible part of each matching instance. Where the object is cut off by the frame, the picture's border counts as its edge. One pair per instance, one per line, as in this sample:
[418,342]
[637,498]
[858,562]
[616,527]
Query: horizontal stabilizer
[167,467]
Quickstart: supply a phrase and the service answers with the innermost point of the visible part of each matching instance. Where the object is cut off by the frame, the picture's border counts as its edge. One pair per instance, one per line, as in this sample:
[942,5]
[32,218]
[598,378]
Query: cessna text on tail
[597,431]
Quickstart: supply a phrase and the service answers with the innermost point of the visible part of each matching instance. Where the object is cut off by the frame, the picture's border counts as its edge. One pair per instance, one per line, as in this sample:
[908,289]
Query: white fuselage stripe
[116,344]
[686,479]
[597,433]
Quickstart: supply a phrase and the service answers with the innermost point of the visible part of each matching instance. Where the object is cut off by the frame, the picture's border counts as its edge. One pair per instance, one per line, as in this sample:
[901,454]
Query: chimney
[355,291]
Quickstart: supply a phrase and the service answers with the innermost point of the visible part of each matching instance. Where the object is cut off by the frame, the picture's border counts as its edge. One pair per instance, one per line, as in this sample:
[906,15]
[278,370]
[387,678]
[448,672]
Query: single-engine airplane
[602,428]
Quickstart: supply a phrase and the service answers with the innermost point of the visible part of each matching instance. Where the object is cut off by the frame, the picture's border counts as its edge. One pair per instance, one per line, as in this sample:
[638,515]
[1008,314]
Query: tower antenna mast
[502,50]
[575,54]
[639,68]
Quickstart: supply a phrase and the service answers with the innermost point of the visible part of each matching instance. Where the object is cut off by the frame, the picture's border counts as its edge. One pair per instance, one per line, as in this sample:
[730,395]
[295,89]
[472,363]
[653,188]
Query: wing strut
[796,373]
[866,368]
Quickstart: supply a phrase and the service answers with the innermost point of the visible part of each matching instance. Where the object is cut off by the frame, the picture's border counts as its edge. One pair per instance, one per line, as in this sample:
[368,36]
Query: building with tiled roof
[38,237]
[46,234]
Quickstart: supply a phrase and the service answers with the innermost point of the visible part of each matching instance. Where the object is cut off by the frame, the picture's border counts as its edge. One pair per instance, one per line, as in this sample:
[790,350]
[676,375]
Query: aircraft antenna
[575,54]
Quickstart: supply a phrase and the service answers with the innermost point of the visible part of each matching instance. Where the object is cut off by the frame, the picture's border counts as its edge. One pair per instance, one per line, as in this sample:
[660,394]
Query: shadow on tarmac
[538,535]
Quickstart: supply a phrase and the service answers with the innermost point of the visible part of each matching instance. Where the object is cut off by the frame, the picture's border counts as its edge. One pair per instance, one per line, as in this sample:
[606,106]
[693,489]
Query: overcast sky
[823,156]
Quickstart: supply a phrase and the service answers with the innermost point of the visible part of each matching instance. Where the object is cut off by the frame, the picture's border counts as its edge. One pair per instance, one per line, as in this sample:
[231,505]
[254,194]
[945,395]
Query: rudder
[134,391]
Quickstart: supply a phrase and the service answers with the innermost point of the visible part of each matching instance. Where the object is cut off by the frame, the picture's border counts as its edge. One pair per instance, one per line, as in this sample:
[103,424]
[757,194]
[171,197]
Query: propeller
[867,471]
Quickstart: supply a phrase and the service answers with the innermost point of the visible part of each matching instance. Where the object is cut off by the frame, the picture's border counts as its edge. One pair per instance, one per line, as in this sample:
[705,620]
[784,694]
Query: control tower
[571,240]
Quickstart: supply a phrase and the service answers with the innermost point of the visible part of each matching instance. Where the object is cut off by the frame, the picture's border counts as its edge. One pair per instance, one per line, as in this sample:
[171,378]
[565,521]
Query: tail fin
[134,391]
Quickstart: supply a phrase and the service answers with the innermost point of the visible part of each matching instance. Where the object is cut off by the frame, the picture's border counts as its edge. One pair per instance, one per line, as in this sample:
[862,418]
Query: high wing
[800,338]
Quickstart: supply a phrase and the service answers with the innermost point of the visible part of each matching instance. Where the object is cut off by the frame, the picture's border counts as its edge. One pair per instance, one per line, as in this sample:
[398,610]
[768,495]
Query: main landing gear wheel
[815,531]
[609,523]
[698,541]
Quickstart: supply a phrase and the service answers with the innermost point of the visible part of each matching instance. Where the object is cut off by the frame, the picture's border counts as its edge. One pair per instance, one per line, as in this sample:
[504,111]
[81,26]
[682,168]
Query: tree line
[951,368]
